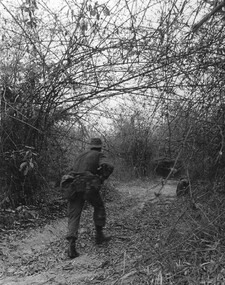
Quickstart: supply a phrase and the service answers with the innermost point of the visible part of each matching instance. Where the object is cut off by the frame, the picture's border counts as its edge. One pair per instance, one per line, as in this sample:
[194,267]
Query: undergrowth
[169,242]
[180,243]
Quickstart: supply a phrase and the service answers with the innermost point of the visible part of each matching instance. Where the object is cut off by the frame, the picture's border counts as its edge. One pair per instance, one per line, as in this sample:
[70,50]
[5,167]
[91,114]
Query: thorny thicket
[59,65]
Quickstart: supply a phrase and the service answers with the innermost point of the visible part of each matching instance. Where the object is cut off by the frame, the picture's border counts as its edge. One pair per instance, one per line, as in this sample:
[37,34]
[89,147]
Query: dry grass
[162,243]
[176,243]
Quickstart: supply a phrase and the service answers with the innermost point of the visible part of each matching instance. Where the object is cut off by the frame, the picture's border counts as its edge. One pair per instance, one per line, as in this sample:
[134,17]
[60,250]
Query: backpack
[79,182]
[105,170]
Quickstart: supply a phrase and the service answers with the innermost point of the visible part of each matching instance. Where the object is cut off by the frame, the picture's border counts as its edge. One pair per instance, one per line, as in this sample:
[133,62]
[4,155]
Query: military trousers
[75,208]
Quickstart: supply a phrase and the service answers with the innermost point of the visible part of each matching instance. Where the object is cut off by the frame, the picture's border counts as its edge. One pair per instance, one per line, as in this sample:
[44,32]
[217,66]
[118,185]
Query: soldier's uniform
[89,161]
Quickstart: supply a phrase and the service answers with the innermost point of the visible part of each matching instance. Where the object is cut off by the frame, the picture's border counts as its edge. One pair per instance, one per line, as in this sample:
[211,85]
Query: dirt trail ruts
[40,256]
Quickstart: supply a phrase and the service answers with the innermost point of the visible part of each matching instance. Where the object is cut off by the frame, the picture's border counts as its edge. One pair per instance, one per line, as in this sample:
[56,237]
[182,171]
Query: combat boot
[72,252]
[100,238]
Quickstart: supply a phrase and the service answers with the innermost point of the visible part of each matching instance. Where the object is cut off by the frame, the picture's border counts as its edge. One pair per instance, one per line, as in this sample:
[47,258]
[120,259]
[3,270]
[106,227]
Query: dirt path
[40,256]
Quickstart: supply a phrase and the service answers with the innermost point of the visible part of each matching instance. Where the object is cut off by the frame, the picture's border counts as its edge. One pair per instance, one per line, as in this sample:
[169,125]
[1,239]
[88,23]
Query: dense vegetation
[147,77]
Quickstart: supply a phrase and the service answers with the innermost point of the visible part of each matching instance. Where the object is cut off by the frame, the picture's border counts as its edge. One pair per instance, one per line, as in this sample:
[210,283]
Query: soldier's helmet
[95,143]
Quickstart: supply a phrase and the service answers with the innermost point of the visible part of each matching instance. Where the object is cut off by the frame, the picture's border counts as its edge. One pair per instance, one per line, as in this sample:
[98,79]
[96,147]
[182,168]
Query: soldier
[94,162]
[183,187]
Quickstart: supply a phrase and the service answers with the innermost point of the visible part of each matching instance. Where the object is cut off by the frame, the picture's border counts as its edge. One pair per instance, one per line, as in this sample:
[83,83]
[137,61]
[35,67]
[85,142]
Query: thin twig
[208,16]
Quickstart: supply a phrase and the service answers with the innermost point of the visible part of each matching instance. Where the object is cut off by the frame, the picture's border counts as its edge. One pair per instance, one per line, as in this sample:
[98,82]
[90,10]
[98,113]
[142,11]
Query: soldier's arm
[105,167]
